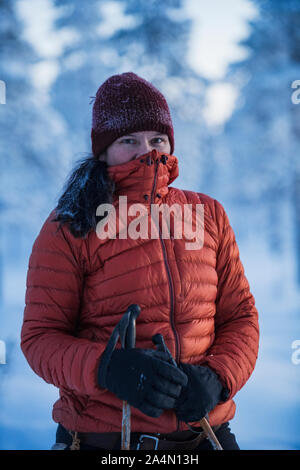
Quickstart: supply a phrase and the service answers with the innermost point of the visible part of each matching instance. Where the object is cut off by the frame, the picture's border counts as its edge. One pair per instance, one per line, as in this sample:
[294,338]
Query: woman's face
[132,146]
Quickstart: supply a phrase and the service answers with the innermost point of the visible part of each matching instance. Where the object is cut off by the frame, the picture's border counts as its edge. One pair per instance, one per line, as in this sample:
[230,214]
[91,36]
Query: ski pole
[128,342]
[210,434]
[125,330]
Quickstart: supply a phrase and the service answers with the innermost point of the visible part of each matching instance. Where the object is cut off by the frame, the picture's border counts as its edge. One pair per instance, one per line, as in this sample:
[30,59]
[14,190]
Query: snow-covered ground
[268,407]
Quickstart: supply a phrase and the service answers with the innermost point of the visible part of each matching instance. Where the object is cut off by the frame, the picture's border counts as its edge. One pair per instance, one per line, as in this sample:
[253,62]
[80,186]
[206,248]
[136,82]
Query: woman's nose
[145,147]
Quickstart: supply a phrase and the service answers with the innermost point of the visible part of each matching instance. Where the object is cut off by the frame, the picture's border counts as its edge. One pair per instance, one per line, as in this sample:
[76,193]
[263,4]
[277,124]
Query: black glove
[202,393]
[144,378]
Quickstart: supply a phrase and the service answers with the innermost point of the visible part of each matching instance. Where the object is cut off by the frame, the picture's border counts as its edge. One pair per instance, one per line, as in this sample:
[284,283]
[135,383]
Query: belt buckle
[142,436]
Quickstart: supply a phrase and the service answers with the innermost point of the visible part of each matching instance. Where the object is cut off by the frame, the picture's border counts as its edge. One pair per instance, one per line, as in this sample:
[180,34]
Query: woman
[80,284]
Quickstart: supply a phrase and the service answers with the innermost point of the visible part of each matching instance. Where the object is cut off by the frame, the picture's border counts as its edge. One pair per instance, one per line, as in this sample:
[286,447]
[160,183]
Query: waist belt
[183,440]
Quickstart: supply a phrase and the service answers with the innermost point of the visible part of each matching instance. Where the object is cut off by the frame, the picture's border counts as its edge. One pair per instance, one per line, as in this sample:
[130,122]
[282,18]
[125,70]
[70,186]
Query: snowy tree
[80,70]
[293,37]
[13,127]
[29,127]
[30,131]
[261,138]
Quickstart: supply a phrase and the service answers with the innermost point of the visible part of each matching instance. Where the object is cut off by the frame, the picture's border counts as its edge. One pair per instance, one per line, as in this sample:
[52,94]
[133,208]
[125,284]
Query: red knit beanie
[127,103]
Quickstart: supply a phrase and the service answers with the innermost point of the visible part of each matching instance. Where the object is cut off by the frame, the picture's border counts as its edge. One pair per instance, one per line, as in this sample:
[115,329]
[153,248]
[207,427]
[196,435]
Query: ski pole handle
[159,341]
[128,340]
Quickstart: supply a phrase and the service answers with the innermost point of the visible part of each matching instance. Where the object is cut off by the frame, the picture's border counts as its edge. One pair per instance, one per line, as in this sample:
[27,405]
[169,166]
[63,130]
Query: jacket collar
[146,178]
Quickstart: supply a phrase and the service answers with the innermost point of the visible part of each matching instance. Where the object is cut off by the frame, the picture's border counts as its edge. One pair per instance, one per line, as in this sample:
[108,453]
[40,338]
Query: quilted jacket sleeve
[234,351]
[55,280]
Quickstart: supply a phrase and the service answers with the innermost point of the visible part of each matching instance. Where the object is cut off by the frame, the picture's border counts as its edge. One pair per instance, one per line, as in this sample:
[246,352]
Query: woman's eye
[127,140]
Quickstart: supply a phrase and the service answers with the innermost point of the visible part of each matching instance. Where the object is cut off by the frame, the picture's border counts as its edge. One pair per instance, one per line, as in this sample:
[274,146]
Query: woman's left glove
[201,394]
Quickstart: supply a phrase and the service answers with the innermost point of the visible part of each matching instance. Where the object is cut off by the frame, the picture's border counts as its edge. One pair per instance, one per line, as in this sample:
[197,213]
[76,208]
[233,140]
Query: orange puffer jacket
[79,288]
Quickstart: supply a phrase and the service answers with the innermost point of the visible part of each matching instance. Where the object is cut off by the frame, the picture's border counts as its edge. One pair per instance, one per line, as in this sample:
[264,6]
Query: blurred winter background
[230,71]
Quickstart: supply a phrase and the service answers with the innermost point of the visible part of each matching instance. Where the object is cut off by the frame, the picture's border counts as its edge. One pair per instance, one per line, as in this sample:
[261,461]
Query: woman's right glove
[144,378]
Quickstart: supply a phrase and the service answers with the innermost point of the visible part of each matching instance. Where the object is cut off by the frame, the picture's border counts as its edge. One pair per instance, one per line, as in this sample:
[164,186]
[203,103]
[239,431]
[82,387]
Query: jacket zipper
[171,287]
[171,284]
